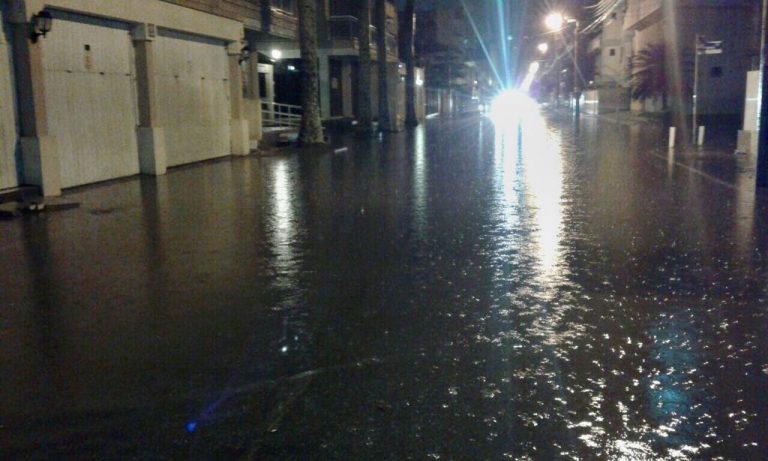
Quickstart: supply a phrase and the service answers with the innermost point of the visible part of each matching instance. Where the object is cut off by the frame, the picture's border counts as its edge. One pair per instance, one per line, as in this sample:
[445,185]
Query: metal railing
[280,115]
[342,27]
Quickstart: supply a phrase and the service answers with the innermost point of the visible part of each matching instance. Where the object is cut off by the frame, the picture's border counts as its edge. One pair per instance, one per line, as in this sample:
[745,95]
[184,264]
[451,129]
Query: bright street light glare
[554,21]
[543,48]
[276,54]
[511,106]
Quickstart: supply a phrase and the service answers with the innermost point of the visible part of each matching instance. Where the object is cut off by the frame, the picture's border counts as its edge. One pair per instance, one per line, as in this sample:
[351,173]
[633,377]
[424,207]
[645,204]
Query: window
[716,72]
[612,52]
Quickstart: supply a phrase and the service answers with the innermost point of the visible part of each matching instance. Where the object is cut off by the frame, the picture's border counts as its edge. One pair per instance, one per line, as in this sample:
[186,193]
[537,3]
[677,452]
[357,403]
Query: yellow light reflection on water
[283,225]
[530,167]
[420,185]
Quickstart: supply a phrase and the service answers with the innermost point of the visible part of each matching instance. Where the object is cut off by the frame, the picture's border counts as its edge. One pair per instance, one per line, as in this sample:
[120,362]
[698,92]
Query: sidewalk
[716,160]
[629,118]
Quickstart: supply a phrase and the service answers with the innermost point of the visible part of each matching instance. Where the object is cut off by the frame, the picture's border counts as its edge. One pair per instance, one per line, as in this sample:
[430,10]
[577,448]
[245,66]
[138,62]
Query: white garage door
[8,133]
[193,97]
[90,98]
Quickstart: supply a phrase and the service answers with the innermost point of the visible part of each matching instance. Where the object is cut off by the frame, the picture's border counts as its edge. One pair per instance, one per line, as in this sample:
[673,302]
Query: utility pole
[762,120]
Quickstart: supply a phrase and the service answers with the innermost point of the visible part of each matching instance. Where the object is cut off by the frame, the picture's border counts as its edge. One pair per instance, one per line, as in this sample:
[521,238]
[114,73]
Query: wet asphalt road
[457,292]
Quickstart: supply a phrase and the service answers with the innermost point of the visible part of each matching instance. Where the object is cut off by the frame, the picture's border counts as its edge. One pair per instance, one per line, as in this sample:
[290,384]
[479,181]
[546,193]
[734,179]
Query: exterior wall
[721,77]
[723,94]
[605,100]
[160,13]
[8,133]
[641,13]
[748,135]
[64,139]
[615,50]
[256,15]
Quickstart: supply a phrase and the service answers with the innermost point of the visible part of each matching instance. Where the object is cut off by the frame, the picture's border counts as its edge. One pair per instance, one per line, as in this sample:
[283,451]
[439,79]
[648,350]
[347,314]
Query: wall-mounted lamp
[276,54]
[41,25]
[245,54]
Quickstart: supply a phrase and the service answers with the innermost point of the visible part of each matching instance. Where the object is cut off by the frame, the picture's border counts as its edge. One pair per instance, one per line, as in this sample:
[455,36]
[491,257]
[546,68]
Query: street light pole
[555,22]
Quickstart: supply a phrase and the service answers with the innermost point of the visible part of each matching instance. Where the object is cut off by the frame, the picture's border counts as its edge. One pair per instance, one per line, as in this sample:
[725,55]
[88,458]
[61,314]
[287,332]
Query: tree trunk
[311,131]
[364,116]
[381,51]
[410,68]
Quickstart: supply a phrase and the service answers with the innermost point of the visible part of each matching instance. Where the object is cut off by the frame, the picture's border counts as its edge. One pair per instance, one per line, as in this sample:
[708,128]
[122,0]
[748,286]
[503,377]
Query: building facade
[721,77]
[338,53]
[610,52]
[93,90]
[115,89]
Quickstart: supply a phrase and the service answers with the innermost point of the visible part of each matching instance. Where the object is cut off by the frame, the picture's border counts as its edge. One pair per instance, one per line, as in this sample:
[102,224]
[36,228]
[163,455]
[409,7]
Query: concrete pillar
[241,142]
[346,88]
[39,151]
[151,139]
[325,86]
[253,98]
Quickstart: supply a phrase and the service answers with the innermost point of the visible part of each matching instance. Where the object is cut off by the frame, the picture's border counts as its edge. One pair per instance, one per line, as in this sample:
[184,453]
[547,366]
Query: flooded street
[463,291]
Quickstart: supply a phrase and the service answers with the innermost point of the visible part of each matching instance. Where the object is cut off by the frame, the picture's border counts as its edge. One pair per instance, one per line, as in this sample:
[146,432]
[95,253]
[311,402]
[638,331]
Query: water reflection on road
[465,290]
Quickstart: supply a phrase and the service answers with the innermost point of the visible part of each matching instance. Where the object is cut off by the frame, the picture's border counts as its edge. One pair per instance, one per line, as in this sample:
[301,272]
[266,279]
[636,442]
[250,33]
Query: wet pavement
[546,292]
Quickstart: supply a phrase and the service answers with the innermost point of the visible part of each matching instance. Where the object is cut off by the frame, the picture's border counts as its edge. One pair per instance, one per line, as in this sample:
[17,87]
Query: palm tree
[649,74]
[311,130]
[410,69]
[364,116]
[381,51]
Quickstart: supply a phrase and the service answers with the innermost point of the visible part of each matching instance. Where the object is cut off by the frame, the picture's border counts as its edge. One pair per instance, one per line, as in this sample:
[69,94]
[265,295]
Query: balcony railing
[343,27]
[280,115]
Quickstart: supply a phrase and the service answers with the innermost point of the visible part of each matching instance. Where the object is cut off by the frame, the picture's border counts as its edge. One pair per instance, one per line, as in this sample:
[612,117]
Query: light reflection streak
[529,160]
[283,232]
[420,184]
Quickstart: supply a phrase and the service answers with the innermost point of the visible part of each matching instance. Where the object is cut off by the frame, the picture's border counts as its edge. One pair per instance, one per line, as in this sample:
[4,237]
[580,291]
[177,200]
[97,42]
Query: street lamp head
[554,21]
[543,48]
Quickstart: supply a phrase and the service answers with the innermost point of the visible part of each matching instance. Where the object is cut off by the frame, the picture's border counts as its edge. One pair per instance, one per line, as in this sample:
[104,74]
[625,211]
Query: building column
[151,139]
[39,151]
[241,142]
[253,101]
[346,88]
[325,86]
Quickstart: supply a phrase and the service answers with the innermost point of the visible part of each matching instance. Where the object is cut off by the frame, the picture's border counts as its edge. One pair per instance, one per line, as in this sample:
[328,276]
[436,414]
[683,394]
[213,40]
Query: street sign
[709,47]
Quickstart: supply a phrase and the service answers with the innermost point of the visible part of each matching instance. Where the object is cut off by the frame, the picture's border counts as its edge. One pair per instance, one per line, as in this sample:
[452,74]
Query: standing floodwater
[532,290]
